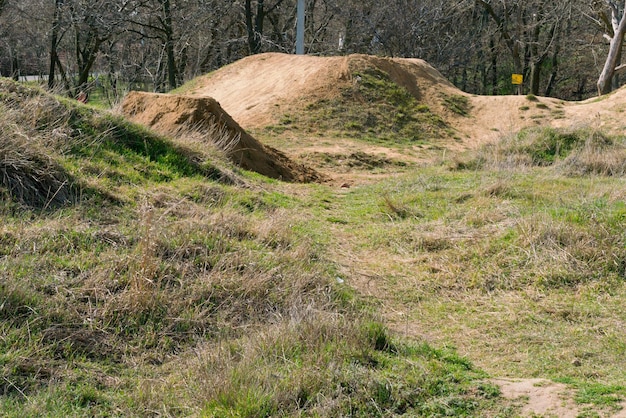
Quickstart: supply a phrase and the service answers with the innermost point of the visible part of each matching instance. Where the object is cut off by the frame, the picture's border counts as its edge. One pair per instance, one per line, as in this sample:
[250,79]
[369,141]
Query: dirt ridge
[258,89]
[184,117]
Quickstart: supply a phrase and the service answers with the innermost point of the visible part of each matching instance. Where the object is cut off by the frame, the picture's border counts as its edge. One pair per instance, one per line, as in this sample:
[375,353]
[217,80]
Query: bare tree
[255,21]
[22,49]
[160,44]
[54,43]
[530,30]
[614,24]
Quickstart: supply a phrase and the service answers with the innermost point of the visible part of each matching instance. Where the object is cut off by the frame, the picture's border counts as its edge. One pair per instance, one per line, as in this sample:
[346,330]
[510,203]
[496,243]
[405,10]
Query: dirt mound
[258,89]
[203,116]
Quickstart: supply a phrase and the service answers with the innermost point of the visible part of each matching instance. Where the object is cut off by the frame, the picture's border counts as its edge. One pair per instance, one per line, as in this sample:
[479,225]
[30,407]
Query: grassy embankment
[377,110]
[139,276]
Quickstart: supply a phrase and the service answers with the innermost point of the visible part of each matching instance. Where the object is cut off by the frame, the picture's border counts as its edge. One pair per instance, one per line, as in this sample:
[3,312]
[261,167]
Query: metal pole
[300,29]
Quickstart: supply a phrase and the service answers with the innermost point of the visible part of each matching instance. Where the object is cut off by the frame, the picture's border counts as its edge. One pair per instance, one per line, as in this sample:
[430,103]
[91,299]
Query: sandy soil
[256,90]
[202,119]
[540,397]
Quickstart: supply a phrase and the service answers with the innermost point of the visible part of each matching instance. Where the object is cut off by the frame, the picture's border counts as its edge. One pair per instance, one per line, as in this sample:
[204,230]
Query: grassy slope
[377,110]
[141,277]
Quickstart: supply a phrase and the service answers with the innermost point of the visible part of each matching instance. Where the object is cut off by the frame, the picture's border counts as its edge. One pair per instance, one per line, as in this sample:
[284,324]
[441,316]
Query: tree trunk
[254,25]
[580,90]
[535,76]
[536,61]
[15,67]
[553,74]
[555,65]
[494,67]
[87,62]
[169,45]
[615,49]
[53,43]
[616,80]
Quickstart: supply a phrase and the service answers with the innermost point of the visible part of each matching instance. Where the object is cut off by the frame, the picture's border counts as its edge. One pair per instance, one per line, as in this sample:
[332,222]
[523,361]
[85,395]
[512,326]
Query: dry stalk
[143,275]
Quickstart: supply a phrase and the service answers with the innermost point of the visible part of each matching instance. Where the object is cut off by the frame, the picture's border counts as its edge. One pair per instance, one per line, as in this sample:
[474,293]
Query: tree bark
[494,66]
[536,61]
[254,25]
[555,69]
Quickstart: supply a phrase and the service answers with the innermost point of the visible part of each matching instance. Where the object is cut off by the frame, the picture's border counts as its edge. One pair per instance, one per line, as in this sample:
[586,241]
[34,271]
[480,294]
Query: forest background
[560,46]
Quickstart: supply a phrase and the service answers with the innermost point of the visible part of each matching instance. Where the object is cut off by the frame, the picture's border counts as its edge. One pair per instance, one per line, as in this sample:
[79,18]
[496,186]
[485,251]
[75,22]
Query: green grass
[522,267]
[457,103]
[166,282]
[375,109]
[578,152]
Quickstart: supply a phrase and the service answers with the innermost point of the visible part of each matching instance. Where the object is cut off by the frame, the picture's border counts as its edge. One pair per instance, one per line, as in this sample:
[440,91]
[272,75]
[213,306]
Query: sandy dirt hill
[258,89]
[204,118]
[322,109]
[494,115]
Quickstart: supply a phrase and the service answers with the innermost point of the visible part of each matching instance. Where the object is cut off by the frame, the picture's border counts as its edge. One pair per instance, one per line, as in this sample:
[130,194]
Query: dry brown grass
[600,155]
[29,174]
[574,152]
[32,125]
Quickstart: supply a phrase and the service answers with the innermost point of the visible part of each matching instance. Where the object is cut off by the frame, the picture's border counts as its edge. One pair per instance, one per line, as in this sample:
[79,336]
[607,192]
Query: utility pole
[300,29]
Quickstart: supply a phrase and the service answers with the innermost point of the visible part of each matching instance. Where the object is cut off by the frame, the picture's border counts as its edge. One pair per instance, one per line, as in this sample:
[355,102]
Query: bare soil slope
[192,116]
[258,89]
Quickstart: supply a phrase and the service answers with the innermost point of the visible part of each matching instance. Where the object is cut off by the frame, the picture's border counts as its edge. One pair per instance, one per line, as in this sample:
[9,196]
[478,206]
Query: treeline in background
[561,47]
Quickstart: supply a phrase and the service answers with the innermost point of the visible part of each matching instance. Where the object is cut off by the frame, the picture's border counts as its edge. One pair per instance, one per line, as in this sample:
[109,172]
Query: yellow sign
[517,79]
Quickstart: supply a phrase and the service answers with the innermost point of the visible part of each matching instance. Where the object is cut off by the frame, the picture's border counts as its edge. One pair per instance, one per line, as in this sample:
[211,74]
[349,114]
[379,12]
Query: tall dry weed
[600,155]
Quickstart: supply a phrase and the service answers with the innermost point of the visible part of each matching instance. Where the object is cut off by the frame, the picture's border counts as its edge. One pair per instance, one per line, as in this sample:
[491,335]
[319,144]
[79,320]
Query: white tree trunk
[615,48]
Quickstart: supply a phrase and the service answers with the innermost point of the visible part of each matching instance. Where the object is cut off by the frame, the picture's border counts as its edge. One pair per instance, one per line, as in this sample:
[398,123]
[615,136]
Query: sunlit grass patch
[574,152]
[376,109]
